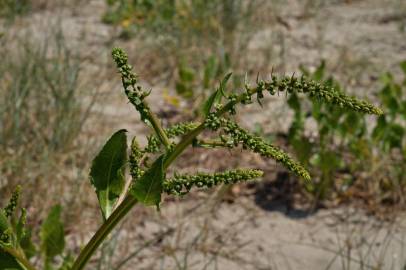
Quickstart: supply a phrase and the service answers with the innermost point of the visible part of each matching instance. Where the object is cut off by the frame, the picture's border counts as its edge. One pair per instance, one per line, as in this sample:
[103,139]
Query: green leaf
[27,245]
[148,188]
[8,262]
[223,83]
[186,74]
[216,96]
[52,234]
[107,171]
[20,230]
[210,101]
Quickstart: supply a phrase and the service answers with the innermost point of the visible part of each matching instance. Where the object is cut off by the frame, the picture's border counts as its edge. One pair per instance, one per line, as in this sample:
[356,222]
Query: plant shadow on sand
[281,196]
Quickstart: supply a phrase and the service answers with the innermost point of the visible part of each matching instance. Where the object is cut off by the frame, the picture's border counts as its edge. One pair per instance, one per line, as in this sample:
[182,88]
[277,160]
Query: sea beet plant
[149,165]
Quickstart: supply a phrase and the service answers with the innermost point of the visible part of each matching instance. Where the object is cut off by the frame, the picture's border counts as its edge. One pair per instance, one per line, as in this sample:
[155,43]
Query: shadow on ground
[281,195]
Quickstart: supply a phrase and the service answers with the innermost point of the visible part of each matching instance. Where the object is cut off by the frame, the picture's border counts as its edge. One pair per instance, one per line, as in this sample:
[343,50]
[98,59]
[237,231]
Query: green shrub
[149,166]
[365,143]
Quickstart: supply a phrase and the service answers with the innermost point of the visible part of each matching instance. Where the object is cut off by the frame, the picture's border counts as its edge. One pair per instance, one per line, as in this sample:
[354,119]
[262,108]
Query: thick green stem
[103,232]
[19,258]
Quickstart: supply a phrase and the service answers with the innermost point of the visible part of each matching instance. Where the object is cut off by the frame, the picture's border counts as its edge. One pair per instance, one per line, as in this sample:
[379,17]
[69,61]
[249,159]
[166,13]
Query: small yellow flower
[126,23]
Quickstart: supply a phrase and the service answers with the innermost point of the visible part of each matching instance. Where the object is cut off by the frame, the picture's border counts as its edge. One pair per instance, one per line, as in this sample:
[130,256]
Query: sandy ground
[360,41]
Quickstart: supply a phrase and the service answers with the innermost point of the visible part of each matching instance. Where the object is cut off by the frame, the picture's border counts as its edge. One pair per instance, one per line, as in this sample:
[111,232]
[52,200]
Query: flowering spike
[134,160]
[181,184]
[258,145]
[12,205]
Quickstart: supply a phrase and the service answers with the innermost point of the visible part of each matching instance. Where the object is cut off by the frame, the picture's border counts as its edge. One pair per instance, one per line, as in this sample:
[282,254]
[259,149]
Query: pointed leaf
[210,101]
[148,188]
[52,234]
[20,230]
[107,172]
[27,245]
[216,96]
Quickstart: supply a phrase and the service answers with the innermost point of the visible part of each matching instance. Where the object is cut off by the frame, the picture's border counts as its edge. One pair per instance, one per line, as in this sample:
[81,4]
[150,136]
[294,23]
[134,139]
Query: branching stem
[121,211]
[156,125]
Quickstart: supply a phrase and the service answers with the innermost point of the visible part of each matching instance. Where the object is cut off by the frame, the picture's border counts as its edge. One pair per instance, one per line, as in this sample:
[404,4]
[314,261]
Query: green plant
[15,239]
[150,179]
[365,143]
[12,8]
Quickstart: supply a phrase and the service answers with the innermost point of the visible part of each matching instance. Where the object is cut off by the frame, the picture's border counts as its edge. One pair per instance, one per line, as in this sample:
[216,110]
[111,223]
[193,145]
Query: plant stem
[157,127]
[103,232]
[19,258]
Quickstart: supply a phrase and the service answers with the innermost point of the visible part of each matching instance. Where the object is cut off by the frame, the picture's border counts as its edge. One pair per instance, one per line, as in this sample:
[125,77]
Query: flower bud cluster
[212,121]
[318,91]
[182,184]
[5,237]
[134,93]
[304,85]
[12,205]
[134,160]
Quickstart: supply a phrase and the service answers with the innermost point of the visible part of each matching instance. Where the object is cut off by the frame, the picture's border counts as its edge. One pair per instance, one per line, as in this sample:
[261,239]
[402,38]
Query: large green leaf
[107,172]
[52,234]
[8,262]
[148,188]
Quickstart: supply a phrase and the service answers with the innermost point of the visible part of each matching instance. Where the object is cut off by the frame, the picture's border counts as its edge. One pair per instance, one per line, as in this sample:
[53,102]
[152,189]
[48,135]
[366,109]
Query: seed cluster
[134,92]
[182,184]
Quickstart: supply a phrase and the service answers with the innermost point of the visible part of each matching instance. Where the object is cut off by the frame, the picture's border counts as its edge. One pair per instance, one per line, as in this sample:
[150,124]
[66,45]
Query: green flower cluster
[301,85]
[182,184]
[318,91]
[238,135]
[134,92]
[177,130]
[5,233]
[12,205]
[134,160]
[5,230]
